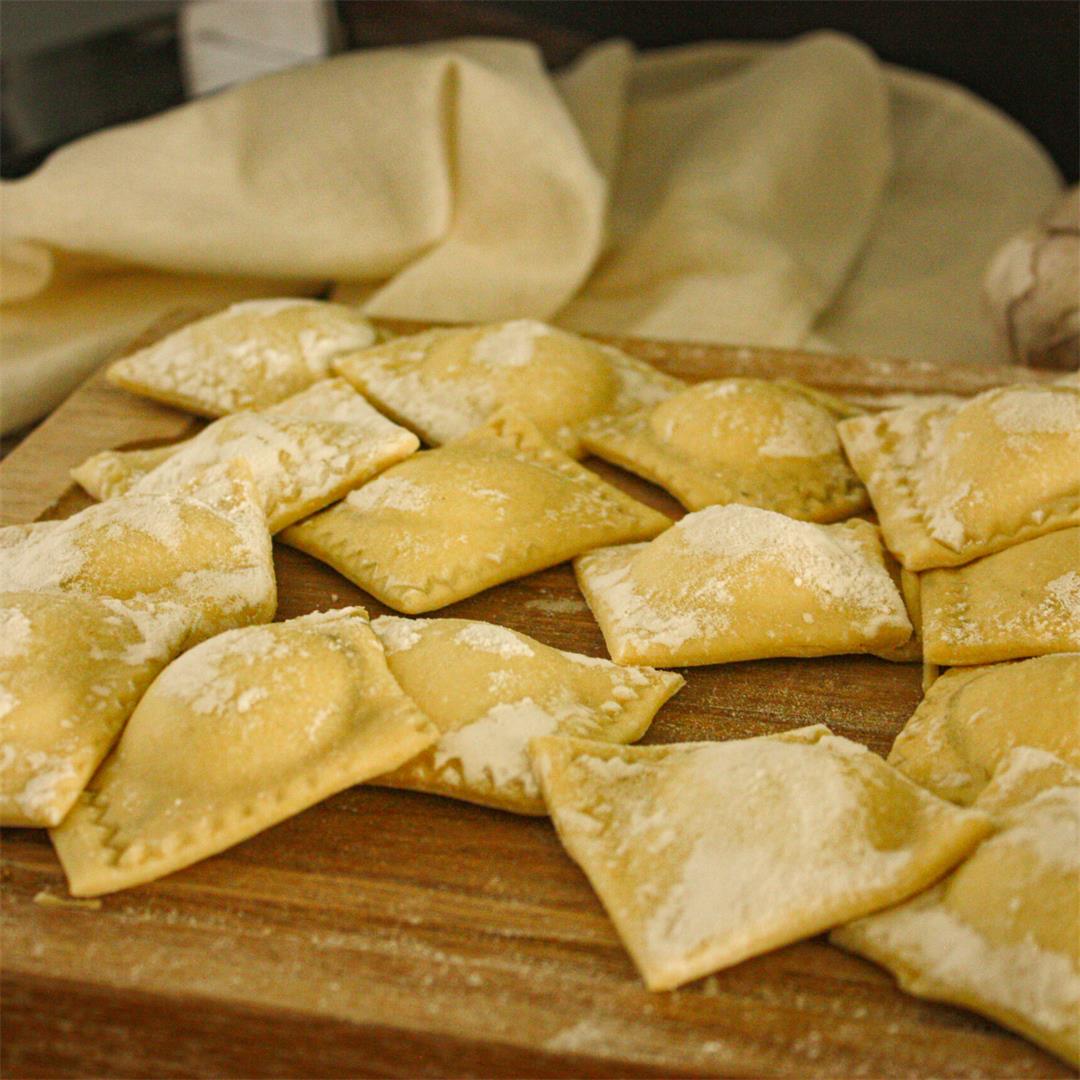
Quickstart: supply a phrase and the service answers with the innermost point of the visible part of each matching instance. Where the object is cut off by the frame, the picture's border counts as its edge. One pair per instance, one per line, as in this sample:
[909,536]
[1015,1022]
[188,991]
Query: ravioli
[443,383]
[739,583]
[72,668]
[1023,601]
[705,854]
[205,549]
[291,448]
[245,357]
[953,482]
[241,732]
[490,690]
[972,718]
[1001,934]
[739,440]
[448,523]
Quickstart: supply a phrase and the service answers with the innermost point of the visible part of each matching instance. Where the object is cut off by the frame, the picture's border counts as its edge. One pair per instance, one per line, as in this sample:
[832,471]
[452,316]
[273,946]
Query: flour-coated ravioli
[705,854]
[972,718]
[72,668]
[739,583]
[298,465]
[738,440]
[1023,601]
[205,549]
[445,524]
[241,732]
[443,383]
[490,690]
[1001,934]
[953,482]
[245,357]
[304,452]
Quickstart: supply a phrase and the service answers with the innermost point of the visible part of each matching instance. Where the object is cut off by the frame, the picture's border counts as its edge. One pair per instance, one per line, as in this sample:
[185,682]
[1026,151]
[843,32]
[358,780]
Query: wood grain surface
[390,933]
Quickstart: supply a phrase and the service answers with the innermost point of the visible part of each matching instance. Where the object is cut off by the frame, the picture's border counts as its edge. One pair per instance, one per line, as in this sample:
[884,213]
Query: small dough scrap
[445,524]
[951,483]
[705,854]
[1023,601]
[443,383]
[245,357]
[240,733]
[205,549]
[1001,934]
[72,668]
[738,583]
[491,690]
[738,440]
[971,718]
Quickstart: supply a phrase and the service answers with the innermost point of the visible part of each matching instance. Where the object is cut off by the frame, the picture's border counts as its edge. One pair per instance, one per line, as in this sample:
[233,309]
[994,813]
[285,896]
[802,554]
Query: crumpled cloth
[791,195]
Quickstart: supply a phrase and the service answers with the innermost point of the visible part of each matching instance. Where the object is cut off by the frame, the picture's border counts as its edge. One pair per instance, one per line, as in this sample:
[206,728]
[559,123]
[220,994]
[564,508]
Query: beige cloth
[800,194]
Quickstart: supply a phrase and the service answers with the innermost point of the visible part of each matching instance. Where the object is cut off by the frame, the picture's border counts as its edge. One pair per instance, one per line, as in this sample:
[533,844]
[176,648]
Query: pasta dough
[71,670]
[443,383]
[1023,601]
[738,583]
[767,444]
[448,523]
[971,718]
[241,732]
[705,854]
[1001,934]
[247,356]
[490,690]
[951,483]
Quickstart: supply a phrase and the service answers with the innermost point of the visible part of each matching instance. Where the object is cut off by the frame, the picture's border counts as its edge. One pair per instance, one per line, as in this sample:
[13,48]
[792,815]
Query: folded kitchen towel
[789,195]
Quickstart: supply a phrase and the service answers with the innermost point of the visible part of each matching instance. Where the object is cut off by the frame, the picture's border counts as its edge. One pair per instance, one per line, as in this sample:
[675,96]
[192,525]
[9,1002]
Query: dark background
[1022,56]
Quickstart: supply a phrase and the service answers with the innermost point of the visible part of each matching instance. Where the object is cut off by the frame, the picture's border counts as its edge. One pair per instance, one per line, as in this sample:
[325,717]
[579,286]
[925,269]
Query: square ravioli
[204,549]
[738,583]
[705,854]
[240,733]
[443,383]
[490,690]
[1023,601]
[952,482]
[329,401]
[72,668]
[245,357]
[300,464]
[767,444]
[445,524]
[1001,934]
[972,718]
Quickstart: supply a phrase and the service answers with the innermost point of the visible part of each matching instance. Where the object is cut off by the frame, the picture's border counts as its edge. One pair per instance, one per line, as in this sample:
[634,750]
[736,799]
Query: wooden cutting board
[392,933]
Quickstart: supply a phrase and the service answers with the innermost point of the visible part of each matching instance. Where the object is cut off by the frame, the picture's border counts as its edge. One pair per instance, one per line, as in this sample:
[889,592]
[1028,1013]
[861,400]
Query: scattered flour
[494,747]
[510,345]
[15,633]
[1066,591]
[1037,411]
[397,634]
[487,637]
[390,492]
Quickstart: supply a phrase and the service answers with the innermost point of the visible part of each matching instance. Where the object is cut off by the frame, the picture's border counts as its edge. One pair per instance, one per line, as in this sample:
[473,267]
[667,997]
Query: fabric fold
[719,192]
